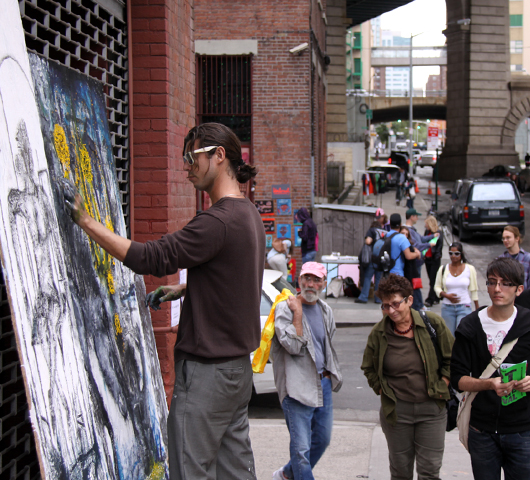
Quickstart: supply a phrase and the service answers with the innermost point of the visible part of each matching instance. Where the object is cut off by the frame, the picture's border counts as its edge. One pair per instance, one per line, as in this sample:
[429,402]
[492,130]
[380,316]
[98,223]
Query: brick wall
[163,110]
[281,88]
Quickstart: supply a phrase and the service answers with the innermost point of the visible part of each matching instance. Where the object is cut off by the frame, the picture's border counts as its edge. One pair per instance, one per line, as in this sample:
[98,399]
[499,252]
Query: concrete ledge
[226,47]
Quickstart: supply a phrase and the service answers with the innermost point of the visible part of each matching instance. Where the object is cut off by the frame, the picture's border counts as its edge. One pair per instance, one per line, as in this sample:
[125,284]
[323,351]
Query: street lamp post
[410,107]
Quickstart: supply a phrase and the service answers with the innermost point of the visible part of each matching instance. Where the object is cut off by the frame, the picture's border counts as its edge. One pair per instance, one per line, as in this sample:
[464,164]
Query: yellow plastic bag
[261,355]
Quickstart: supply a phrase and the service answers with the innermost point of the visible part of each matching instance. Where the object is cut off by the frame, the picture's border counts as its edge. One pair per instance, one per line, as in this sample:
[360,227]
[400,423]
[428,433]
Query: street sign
[369,114]
[432,138]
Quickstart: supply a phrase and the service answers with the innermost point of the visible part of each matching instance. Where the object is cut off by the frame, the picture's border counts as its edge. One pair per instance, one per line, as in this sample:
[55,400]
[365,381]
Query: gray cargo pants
[208,427]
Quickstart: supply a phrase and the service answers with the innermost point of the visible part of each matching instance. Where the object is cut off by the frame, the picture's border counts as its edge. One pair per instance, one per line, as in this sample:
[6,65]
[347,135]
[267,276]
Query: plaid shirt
[524,259]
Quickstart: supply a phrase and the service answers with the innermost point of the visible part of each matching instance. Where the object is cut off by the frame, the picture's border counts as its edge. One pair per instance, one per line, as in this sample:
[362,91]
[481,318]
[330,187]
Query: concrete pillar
[478,98]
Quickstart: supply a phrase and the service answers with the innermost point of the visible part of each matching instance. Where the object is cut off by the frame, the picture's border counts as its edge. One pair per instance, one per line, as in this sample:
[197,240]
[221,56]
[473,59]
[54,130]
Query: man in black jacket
[499,435]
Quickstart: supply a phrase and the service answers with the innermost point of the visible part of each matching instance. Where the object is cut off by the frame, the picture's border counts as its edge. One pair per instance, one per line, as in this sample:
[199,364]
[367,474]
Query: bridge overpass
[484,105]
[400,56]
[389,109]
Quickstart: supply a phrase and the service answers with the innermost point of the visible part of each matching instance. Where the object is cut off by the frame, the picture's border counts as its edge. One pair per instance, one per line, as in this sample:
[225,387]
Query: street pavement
[358,447]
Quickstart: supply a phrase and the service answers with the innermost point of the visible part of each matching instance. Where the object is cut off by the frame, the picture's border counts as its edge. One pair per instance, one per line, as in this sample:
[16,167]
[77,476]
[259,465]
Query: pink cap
[379,212]
[313,268]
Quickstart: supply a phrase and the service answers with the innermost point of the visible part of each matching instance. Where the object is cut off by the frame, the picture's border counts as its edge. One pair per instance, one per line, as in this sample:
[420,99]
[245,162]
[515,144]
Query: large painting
[86,345]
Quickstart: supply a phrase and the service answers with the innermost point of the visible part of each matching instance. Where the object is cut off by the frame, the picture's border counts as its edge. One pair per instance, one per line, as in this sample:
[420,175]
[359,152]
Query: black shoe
[427,303]
[358,300]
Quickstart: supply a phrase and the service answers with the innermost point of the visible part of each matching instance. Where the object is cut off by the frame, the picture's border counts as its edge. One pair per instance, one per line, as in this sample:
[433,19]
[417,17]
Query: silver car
[272,286]
[427,159]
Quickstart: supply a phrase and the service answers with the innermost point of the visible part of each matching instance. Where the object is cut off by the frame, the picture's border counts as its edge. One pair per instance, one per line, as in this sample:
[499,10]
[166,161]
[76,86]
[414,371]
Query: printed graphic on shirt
[494,343]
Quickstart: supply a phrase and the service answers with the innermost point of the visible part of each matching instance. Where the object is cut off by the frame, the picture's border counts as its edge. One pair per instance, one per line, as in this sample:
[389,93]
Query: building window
[516,68]
[357,40]
[516,46]
[516,20]
[224,92]
[357,66]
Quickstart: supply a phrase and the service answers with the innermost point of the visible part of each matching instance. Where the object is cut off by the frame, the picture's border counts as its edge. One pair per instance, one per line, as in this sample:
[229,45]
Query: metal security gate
[91,37]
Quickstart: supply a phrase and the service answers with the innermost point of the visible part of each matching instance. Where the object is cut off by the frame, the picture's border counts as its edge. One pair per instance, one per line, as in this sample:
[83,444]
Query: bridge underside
[421,112]
[360,11]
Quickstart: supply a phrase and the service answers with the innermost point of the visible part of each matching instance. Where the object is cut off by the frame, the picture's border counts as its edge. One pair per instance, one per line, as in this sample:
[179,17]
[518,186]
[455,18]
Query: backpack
[381,256]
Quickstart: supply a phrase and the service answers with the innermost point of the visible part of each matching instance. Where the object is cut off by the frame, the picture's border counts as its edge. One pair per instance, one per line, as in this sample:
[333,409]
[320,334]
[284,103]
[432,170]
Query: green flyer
[509,372]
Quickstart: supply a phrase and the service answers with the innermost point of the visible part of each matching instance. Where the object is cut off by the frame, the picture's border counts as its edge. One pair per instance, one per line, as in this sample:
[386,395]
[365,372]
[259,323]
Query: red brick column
[163,99]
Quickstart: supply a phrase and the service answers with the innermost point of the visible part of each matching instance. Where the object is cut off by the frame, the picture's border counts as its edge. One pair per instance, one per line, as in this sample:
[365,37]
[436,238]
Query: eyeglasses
[456,254]
[494,283]
[189,157]
[315,279]
[394,305]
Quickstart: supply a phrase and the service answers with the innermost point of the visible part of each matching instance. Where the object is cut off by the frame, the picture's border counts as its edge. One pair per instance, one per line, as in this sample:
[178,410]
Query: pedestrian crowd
[414,359]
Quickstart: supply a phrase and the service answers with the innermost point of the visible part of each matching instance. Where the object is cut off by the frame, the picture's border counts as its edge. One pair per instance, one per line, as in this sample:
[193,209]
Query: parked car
[390,171]
[272,286]
[427,159]
[401,159]
[485,205]
[500,171]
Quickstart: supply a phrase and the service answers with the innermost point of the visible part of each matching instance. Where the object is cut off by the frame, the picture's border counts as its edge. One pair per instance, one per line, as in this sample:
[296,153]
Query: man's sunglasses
[189,157]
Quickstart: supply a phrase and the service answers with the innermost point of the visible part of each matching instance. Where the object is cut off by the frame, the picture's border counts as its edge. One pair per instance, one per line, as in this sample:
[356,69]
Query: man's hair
[515,231]
[394,285]
[216,134]
[508,269]
[408,215]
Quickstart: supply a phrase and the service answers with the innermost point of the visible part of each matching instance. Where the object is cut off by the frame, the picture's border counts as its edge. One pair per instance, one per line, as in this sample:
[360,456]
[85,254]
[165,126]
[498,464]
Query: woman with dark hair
[433,258]
[401,366]
[308,234]
[456,284]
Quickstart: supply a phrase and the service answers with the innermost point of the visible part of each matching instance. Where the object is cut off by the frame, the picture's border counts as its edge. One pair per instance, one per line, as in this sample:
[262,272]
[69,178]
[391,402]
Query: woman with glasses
[456,284]
[401,365]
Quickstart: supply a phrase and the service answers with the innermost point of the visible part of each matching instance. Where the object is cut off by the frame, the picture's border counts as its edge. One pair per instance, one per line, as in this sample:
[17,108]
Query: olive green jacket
[374,354]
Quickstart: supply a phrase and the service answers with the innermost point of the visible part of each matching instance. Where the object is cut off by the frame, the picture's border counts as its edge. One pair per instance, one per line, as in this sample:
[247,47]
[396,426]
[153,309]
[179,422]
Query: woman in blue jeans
[456,285]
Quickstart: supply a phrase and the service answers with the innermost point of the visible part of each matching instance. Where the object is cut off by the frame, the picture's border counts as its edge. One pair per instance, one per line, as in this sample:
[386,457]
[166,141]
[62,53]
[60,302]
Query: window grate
[224,93]
[18,455]
[83,35]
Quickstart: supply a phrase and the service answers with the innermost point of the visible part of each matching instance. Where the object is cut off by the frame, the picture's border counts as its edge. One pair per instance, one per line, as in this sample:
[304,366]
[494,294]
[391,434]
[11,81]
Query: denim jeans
[310,430]
[367,281]
[309,256]
[452,314]
[492,451]
[417,299]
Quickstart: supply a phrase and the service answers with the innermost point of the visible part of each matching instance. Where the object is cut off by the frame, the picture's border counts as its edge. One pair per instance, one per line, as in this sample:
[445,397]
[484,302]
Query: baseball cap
[412,211]
[313,268]
[395,220]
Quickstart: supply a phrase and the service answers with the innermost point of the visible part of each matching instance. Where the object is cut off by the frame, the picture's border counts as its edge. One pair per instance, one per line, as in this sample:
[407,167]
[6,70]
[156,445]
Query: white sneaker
[278,475]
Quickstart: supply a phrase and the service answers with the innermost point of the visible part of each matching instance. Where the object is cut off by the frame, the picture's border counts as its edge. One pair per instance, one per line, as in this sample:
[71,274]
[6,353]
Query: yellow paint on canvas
[117,324]
[158,472]
[61,147]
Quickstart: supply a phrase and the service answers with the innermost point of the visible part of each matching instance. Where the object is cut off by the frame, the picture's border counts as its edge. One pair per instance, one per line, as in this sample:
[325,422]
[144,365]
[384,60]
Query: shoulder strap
[443,273]
[498,359]
[434,338]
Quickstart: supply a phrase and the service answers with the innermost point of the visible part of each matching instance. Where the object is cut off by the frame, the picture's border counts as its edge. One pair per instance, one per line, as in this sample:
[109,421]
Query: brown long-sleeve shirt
[223,249]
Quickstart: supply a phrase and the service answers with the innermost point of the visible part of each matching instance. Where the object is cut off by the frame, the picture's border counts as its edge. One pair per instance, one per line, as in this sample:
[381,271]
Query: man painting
[223,249]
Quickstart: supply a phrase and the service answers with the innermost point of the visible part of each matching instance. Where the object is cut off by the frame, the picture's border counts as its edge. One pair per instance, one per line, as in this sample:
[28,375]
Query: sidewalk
[358,447]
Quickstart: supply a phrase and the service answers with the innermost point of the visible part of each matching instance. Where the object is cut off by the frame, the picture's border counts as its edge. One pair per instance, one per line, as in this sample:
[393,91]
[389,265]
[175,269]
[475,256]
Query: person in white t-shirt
[278,260]
[456,285]
[499,428]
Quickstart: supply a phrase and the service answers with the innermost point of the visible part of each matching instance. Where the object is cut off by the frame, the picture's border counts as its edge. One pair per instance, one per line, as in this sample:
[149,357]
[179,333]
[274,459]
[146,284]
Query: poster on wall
[96,398]
[281,191]
[264,207]
[283,206]
[284,230]
[268,240]
[269,225]
[297,239]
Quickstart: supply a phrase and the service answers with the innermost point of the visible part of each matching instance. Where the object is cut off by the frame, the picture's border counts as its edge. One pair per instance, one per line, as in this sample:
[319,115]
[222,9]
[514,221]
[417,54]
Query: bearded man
[306,371]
